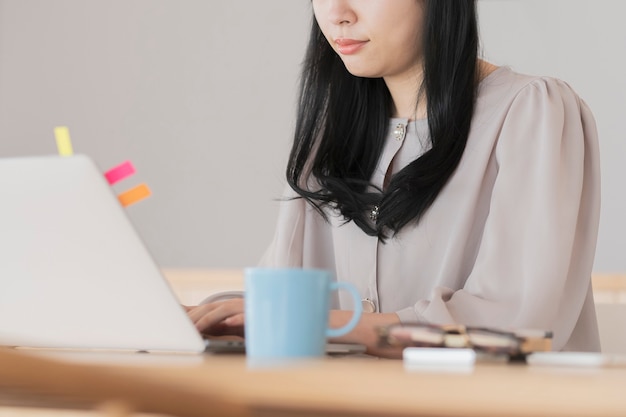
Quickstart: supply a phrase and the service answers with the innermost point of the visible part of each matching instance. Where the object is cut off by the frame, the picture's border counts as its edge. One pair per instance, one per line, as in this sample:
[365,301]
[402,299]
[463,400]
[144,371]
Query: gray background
[200,95]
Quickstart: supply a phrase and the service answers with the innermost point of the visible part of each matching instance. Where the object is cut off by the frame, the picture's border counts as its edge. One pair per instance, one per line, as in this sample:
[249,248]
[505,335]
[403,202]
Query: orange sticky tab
[134,195]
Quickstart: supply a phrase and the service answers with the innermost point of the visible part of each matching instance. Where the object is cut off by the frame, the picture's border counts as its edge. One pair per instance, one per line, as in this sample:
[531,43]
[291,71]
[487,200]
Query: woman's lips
[349,46]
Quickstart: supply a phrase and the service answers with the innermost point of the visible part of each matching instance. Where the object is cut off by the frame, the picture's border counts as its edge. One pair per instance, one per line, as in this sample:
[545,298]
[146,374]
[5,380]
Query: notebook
[74,274]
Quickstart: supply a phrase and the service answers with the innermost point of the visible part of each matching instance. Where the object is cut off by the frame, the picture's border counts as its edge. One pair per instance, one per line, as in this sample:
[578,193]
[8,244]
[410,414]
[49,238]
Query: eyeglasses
[487,340]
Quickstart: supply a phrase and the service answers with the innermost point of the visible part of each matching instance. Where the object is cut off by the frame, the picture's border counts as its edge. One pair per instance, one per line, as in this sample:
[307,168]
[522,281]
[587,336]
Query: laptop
[74,274]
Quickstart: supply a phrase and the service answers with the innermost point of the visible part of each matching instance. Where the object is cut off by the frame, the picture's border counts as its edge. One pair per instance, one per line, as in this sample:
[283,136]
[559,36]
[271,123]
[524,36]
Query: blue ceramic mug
[287,312]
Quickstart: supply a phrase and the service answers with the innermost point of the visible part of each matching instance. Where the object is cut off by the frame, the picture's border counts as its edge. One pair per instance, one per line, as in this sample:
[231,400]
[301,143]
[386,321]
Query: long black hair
[342,122]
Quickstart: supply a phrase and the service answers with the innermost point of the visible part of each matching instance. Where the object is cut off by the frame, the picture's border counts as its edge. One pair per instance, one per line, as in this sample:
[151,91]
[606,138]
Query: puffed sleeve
[286,248]
[533,268]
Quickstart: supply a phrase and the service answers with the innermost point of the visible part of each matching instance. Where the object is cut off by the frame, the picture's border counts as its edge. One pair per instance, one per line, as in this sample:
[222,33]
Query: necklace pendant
[399,132]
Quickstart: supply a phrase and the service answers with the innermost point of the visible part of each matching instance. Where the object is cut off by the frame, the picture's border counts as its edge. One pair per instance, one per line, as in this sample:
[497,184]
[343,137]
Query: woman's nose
[340,12]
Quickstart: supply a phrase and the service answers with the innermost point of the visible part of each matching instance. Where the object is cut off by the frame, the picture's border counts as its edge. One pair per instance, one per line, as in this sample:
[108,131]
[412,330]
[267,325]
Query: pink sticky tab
[120,172]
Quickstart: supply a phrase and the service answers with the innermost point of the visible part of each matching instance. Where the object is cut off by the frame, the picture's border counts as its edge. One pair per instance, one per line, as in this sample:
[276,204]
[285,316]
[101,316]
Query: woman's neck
[408,102]
[403,90]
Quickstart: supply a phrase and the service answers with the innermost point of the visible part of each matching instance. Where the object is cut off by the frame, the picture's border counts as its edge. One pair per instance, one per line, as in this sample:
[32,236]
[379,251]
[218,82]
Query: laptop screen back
[73,271]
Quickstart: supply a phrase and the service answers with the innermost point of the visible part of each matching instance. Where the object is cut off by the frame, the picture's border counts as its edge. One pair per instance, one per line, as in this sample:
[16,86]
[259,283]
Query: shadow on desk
[34,381]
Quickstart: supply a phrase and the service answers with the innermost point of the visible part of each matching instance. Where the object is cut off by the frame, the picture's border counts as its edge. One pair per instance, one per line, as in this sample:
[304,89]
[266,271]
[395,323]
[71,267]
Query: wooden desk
[377,387]
[609,288]
[363,386]
[371,387]
[193,285]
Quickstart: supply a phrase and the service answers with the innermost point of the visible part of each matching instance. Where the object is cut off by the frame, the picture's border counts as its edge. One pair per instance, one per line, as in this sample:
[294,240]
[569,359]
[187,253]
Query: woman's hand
[365,332]
[220,318]
[226,318]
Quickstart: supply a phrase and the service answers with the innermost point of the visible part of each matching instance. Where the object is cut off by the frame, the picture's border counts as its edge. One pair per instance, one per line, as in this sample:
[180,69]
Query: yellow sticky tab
[64,143]
[134,195]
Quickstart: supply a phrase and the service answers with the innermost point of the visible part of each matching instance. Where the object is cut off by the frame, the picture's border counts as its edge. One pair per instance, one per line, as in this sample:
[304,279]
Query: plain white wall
[200,96]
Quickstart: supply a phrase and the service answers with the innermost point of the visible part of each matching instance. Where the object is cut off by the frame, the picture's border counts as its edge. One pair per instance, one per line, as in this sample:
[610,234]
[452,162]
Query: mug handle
[358,309]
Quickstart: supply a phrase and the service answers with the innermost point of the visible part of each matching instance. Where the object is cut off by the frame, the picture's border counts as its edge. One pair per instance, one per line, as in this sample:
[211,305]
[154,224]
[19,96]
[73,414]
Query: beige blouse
[510,240]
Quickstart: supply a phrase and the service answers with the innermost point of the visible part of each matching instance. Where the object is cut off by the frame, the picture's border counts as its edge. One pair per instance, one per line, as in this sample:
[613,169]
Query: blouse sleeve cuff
[409,315]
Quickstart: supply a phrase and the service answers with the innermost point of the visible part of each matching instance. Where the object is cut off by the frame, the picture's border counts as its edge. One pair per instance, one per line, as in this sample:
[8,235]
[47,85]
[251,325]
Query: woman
[446,189]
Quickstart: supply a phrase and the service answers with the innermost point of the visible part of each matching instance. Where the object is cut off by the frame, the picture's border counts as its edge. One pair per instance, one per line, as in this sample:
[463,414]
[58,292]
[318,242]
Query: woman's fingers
[216,315]
[236,320]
